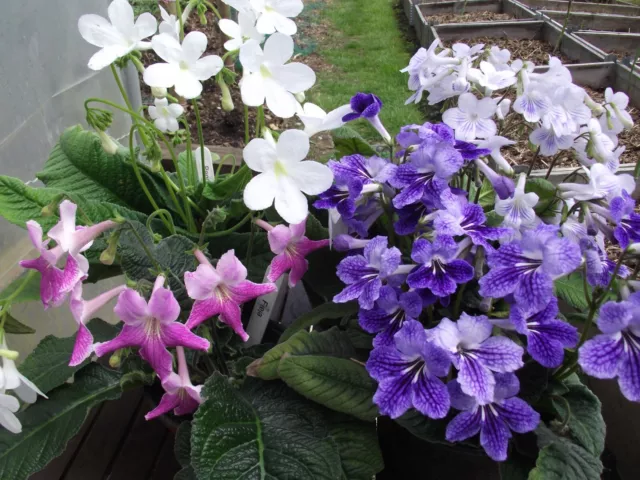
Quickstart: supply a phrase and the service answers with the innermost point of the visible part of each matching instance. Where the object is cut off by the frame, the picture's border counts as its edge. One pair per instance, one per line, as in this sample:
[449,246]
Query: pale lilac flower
[616,352]
[283,177]
[491,78]
[221,291]
[118,36]
[316,120]
[494,420]
[367,106]
[499,58]
[462,50]
[388,316]
[184,69]
[528,267]
[364,274]
[476,354]
[532,103]
[12,379]
[365,170]
[471,119]
[616,104]
[407,372]
[152,327]
[439,268]
[275,15]
[83,311]
[518,210]
[627,221]
[165,115]
[180,394]
[241,32]
[547,337]
[599,266]
[290,246]
[268,76]
[548,142]
[503,186]
[503,108]
[494,144]
[603,184]
[344,243]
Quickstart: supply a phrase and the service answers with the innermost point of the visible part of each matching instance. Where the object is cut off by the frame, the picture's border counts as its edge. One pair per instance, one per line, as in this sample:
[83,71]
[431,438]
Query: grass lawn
[366,48]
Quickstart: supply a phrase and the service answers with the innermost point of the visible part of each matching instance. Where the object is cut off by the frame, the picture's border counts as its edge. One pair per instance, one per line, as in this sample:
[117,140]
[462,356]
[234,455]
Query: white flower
[275,15]
[549,142]
[208,163]
[494,144]
[462,50]
[240,5]
[8,407]
[184,69]
[118,37]
[603,183]
[267,76]
[532,103]
[283,176]
[518,210]
[240,32]
[316,120]
[165,115]
[615,105]
[503,108]
[170,24]
[471,119]
[487,76]
[499,58]
[12,379]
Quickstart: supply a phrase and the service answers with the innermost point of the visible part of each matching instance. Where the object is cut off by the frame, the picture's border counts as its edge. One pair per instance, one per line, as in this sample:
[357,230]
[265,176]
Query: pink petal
[298,229]
[164,306]
[231,269]
[201,283]
[155,352]
[279,266]
[167,403]
[298,268]
[231,316]
[172,383]
[82,237]
[202,310]
[128,337]
[245,291]
[279,238]
[35,234]
[83,346]
[177,334]
[187,405]
[131,308]
[65,229]
[306,246]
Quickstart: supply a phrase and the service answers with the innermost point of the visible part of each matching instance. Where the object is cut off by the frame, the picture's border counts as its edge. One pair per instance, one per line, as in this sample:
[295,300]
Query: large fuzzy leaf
[325,311]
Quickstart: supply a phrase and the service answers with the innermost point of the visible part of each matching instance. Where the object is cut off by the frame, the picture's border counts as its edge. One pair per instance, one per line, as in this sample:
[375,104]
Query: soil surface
[536,51]
[468,17]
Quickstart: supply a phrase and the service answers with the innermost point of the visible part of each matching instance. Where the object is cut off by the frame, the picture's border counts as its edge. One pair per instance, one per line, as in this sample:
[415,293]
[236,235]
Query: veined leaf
[571,290]
[347,141]
[328,310]
[15,327]
[30,292]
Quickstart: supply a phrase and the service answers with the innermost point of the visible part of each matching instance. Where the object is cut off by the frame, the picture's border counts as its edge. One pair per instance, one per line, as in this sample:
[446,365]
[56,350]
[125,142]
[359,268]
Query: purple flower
[470,151]
[616,352]
[599,266]
[503,186]
[528,267]
[391,311]
[367,106]
[463,218]
[364,217]
[151,326]
[547,337]
[221,291]
[628,222]
[366,170]
[342,196]
[407,372]
[363,274]
[476,354]
[494,420]
[345,243]
[409,217]
[439,269]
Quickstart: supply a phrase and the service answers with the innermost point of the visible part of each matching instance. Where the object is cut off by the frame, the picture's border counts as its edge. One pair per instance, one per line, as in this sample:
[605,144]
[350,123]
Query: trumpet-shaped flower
[471,119]
[221,291]
[491,78]
[12,379]
[476,354]
[180,394]
[549,142]
[275,15]
[503,186]
[616,104]
[495,420]
[283,177]
[241,32]
[267,75]
[316,120]
[518,210]
[152,327]
[407,372]
[361,169]
[367,106]
[290,246]
[184,69]
[603,184]
[118,36]
[494,144]
[600,267]
[165,115]
[209,174]
[628,222]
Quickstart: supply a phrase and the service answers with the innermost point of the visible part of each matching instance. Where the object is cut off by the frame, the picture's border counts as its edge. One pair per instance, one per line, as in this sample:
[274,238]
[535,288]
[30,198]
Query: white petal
[293,146]
[284,25]
[260,191]
[252,89]
[234,44]
[291,204]
[454,117]
[313,110]
[467,102]
[251,56]
[9,421]
[161,74]
[485,128]
[333,119]
[187,85]
[28,391]
[207,67]
[259,155]
[167,47]
[311,177]
[98,31]
[486,107]
[106,56]
[193,46]
[175,109]
[172,125]
[289,8]
[121,16]
[295,77]
[230,28]
[282,103]
[146,25]
[278,49]
[265,24]
[8,402]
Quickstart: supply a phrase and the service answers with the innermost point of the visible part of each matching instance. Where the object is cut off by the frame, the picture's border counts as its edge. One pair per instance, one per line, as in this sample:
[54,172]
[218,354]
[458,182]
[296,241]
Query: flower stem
[196,110]
[553,164]
[18,291]
[144,246]
[533,161]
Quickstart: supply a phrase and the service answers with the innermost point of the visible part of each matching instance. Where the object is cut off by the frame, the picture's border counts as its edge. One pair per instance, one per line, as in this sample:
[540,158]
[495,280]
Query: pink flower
[221,291]
[291,247]
[181,396]
[152,327]
[56,283]
[83,311]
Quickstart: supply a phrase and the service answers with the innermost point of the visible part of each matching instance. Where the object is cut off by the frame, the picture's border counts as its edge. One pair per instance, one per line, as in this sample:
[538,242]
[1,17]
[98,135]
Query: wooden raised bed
[612,43]
[561,6]
[596,21]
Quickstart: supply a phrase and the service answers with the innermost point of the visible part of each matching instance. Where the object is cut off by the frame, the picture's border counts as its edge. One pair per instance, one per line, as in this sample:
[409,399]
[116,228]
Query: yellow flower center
[279,169]
[264,71]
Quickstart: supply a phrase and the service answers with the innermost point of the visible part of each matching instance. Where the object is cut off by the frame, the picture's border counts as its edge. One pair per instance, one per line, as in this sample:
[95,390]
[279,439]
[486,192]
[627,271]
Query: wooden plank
[136,459]
[57,467]
[105,438]
[166,464]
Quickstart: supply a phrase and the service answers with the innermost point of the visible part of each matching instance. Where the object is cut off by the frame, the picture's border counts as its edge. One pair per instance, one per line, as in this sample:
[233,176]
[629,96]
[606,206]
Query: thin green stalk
[564,26]
[161,211]
[180,22]
[224,233]
[553,163]
[191,170]
[200,137]
[456,307]
[18,291]
[533,161]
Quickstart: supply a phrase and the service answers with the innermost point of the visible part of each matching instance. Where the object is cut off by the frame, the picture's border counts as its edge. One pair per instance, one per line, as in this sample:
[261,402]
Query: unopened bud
[202,9]
[109,145]
[51,209]
[116,359]
[109,254]
[300,97]
[9,354]
[159,92]
[227,101]
[634,248]
[154,155]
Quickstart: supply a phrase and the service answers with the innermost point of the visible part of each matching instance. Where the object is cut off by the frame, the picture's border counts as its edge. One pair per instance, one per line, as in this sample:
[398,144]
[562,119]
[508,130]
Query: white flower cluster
[560,114]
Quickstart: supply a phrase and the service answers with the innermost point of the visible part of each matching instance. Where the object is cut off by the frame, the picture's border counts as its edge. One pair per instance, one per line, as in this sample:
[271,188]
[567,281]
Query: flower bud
[227,101]
[9,354]
[116,359]
[159,92]
[300,97]
[109,145]
[594,106]
[52,208]
[109,254]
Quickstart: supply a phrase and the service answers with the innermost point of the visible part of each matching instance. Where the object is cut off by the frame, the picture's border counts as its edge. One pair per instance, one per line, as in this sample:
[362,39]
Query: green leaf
[561,459]
[48,425]
[423,427]
[48,365]
[516,467]
[487,197]
[546,192]
[347,142]
[337,383]
[333,342]
[326,310]
[571,290]
[11,325]
[79,165]
[586,424]
[358,447]
[30,292]
[228,186]
[182,445]
[321,276]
